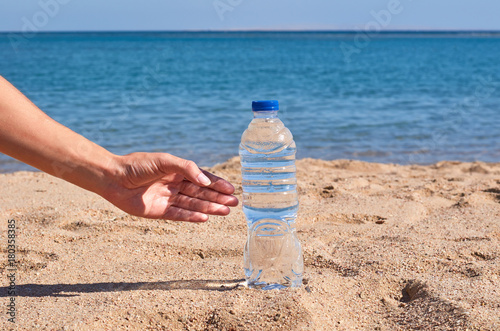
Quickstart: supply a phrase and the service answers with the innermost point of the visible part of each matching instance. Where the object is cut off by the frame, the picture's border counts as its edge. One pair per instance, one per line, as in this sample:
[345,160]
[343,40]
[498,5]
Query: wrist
[95,170]
[109,174]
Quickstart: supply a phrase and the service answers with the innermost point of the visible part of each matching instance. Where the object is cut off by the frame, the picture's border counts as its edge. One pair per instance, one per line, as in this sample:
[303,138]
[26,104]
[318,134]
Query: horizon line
[452,31]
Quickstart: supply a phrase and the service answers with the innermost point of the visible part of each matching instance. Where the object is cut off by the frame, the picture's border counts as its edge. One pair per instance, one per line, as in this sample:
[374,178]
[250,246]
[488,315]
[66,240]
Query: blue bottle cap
[265,105]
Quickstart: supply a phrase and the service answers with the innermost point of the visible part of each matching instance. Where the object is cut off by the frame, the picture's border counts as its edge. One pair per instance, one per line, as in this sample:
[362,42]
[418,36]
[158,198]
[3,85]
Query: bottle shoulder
[266,136]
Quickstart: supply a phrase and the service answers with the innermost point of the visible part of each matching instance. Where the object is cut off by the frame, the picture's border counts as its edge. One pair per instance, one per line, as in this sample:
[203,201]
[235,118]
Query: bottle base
[273,285]
[266,286]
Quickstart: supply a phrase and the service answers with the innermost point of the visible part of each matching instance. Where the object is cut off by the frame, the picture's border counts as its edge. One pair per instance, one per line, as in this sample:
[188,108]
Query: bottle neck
[265,114]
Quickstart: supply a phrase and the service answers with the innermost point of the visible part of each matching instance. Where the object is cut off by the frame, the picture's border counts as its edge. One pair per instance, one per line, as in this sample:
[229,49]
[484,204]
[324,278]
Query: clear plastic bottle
[273,256]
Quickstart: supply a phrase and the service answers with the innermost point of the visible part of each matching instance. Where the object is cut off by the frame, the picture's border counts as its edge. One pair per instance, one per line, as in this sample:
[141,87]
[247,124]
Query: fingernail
[204,179]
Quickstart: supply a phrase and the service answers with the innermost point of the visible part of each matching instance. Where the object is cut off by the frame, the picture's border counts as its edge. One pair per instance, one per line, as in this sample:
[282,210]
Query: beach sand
[386,247]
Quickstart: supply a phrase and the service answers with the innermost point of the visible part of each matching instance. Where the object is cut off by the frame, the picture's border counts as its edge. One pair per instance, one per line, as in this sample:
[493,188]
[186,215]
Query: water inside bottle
[273,256]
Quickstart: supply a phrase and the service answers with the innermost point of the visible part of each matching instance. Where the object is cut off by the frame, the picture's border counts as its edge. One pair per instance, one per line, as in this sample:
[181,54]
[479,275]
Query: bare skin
[151,185]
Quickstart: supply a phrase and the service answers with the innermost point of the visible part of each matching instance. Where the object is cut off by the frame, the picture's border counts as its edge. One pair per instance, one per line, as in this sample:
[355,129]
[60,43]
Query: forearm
[29,135]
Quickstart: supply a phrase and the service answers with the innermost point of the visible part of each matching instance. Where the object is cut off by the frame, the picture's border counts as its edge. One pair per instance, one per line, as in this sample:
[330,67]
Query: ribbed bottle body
[273,256]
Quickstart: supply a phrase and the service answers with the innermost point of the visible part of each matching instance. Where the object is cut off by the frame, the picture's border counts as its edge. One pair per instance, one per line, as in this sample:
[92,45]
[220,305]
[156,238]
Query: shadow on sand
[68,290]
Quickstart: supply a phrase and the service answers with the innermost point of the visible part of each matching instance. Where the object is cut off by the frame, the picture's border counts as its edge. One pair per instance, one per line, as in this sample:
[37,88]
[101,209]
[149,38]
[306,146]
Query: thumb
[185,167]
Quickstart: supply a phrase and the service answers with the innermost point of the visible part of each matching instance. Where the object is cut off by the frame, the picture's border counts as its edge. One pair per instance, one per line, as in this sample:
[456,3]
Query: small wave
[371,154]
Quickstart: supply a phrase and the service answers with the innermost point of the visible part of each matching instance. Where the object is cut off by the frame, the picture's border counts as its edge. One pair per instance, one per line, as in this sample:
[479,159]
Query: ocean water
[401,98]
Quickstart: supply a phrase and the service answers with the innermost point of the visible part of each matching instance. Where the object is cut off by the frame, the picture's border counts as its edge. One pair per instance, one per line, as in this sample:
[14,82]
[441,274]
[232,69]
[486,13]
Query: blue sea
[388,97]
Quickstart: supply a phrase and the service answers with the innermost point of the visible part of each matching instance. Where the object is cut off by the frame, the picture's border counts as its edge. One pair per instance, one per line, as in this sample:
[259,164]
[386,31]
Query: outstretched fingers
[173,164]
[199,205]
[207,194]
[184,215]
[219,184]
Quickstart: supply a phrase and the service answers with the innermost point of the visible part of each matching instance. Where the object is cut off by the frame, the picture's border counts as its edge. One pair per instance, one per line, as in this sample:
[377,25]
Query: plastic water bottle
[273,256]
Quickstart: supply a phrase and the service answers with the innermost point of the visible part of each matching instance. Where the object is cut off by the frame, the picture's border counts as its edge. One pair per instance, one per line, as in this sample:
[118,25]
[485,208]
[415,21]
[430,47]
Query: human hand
[160,185]
[152,185]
